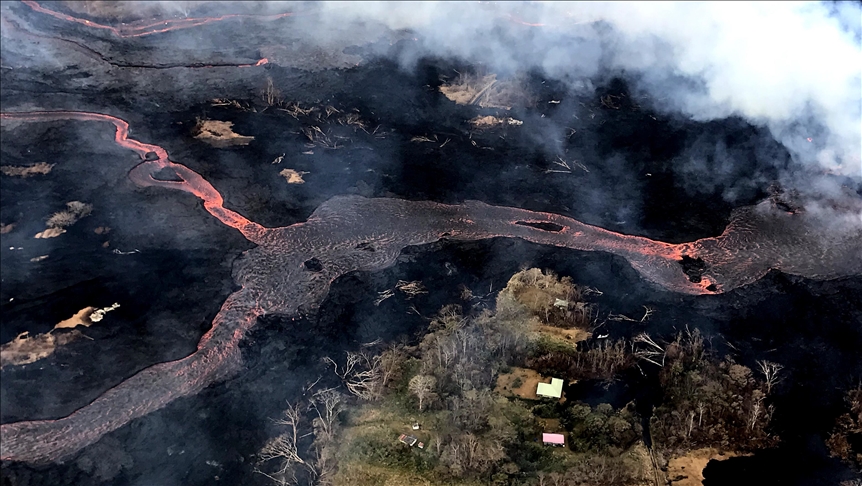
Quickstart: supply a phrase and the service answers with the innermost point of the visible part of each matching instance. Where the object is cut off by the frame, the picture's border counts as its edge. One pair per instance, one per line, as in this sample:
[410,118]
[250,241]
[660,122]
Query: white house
[554,389]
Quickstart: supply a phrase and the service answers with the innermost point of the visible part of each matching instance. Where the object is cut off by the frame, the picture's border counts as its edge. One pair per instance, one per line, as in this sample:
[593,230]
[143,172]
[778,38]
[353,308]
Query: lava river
[354,233]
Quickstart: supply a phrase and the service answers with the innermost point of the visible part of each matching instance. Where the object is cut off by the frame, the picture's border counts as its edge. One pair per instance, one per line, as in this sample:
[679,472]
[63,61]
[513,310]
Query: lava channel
[290,270]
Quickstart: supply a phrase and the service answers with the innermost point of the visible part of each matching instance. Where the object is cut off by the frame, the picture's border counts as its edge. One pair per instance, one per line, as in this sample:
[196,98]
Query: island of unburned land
[481,399]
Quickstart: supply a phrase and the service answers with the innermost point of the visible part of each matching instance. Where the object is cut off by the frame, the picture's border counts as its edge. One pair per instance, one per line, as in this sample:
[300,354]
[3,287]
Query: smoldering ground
[791,67]
[788,69]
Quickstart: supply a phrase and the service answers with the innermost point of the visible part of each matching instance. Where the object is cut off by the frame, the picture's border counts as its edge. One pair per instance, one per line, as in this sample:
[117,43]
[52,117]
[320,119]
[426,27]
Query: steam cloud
[795,68]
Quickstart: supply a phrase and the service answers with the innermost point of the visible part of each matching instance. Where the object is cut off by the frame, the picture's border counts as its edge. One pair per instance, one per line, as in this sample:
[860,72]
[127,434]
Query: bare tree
[648,312]
[755,414]
[770,372]
[438,444]
[390,364]
[423,387]
[381,296]
[651,351]
[284,448]
[361,374]
[271,96]
[327,403]
[325,464]
[412,289]
[352,360]
[541,478]
[471,445]
[557,479]
[691,343]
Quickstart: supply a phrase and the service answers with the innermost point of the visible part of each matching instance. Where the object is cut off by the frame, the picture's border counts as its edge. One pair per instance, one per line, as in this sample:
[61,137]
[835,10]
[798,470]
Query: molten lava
[291,269]
[140,29]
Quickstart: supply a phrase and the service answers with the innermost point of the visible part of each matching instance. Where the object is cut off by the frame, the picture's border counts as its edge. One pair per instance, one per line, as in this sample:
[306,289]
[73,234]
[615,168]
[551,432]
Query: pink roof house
[553,439]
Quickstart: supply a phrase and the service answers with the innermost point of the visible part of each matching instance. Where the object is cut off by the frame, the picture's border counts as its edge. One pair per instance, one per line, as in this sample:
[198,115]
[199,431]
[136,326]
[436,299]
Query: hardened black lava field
[235,280]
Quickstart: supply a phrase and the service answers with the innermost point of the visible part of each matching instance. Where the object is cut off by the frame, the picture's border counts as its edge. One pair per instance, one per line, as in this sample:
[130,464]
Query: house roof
[408,439]
[553,439]
[553,389]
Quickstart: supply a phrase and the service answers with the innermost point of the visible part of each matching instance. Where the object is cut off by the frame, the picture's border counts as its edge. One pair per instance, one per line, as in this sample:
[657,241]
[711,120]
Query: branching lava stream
[353,233]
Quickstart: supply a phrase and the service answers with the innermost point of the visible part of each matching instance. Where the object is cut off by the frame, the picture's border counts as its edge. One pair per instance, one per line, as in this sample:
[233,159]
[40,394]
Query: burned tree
[423,387]
[327,404]
[362,374]
[709,402]
[844,441]
[770,372]
[285,451]
[649,351]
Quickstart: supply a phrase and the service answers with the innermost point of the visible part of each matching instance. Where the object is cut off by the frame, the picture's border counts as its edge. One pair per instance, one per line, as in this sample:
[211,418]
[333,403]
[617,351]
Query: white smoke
[788,66]
[793,67]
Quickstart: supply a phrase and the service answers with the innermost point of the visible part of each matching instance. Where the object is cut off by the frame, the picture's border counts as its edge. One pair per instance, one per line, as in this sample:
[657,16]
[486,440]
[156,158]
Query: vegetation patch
[489,121]
[41,168]
[556,301]
[219,134]
[26,349]
[486,91]
[568,336]
[293,176]
[59,221]
[451,409]
[460,407]
[711,402]
[519,382]
[845,442]
[687,470]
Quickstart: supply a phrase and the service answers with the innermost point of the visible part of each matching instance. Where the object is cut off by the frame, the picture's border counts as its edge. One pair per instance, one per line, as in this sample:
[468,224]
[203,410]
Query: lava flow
[156,158]
[353,233]
[98,55]
[140,29]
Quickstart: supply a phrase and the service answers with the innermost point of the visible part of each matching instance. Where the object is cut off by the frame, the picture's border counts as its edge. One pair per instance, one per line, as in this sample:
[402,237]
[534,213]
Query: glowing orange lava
[140,29]
[93,53]
[352,233]
[142,174]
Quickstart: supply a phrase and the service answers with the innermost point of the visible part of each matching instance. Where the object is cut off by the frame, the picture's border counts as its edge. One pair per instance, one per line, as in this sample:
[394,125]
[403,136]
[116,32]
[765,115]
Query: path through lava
[353,233]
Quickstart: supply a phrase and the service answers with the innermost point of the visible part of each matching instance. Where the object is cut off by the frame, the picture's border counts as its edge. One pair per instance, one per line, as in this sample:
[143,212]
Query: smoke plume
[792,67]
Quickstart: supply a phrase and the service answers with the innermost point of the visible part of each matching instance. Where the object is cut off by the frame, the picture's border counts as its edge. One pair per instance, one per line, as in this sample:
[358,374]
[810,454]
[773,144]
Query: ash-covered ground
[349,118]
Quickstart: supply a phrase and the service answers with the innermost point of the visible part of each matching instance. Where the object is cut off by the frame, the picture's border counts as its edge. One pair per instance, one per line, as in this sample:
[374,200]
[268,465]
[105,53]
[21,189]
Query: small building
[408,439]
[415,425]
[556,440]
[554,389]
